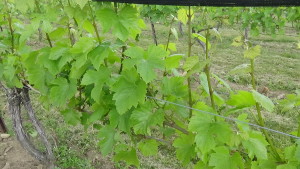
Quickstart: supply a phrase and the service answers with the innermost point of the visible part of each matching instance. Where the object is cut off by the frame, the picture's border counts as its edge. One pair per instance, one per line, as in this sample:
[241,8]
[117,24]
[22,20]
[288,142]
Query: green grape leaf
[98,55]
[51,14]
[124,24]
[256,146]
[98,78]
[185,148]
[146,62]
[64,59]
[289,102]
[46,26]
[120,121]
[237,41]
[4,47]
[263,100]
[289,166]
[173,61]
[182,15]
[62,91]
[222,81]
[190,62]
[202,39]
[156,52]
[83,45]
[43,58]
[81,3]
[174,86]
[202,165]
[264,164]
[28,32]
[70,11]
[21,6]
[128,16]
[172,47]
[253,52]
[98,112]
[204,83]
[152,60]
[174,32]
[245,128]
[120,31]
[57,51]
[216,33]
[148,147]
[9,68]
[77,72]
[71,116]
[107,18]
[143,118]
[113,58]
[114,117]
[80,60]
[129,156]
[129,91]
[208,132]
[241,100]
[289,152]
[88,26]
[57,33]
[10,71]
[197,67]
[222,159]
[135,52]
[36,74]
[107,135]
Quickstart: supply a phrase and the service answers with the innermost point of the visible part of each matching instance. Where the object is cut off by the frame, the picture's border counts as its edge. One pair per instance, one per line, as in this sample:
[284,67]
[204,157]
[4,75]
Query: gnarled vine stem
[17,97]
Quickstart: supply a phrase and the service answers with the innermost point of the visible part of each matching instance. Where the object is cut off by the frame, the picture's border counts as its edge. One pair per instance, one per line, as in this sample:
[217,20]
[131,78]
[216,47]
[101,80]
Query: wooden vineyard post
[3,128]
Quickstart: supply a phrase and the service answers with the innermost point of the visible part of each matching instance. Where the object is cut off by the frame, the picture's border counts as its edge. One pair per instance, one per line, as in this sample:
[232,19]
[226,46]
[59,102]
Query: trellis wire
[224,117]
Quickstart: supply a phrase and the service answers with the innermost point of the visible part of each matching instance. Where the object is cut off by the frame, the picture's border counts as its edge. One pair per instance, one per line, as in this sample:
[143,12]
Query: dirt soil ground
[13,156]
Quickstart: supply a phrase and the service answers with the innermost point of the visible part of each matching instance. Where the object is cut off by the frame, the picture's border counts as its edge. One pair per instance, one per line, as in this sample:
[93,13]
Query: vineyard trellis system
[92,70]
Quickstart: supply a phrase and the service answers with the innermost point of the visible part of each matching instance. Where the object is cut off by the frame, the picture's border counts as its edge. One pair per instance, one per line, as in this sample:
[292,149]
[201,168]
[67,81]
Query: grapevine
[91,69]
